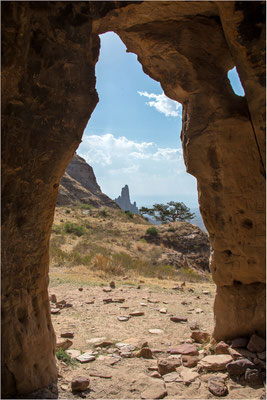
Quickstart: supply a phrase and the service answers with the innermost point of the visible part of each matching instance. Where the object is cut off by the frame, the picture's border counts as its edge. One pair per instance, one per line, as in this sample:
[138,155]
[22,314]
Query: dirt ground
[114,377]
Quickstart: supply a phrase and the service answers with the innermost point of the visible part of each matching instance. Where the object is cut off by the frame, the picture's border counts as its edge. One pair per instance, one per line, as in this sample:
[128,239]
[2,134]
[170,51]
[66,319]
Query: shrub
[63,356]
[129,214]
[143,240]
[152,231]
[103,213]
[67,211]
[57,229]
[86,207]
[77,230]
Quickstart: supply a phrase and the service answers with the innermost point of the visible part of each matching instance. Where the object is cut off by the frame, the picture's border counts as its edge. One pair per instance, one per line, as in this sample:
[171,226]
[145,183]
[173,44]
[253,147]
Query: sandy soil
[130,377]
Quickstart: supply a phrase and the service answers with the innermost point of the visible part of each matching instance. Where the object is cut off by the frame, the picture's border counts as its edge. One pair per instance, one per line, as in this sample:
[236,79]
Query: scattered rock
[198,310]
[152,301]
[79,383]
[239,342]
[186,349]
[239,367]
[90,302]
[64,345]
[200,337]
[172,377]
[156,331]
[188,375]
[114,361]
[189,341]
[241,353]
[112,285]
[107,289]
[206,292]
[85,358]
[221,348]
[157,390]
[123,318]
[125,347]
[108,300]
[220,375]
[256,344]
[215,362]
[143,304]
[163,310]
[165,366]
[217,387]
[178,319]
[126,354]
[64,387]
[80,289]
[189,361]
[253,377]
[55,310]
[155,374]
[137,313]
[145,352]
[193,325]
[53,298]
[67,334]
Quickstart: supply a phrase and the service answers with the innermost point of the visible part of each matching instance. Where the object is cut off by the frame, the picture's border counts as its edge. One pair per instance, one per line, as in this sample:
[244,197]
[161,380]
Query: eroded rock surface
[48,95]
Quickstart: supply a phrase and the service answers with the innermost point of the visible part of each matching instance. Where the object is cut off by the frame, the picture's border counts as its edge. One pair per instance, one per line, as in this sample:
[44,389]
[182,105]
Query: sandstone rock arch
[48,94]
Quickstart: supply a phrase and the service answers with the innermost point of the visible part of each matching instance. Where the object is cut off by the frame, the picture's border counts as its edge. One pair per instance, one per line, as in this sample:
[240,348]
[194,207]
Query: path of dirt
[130,377]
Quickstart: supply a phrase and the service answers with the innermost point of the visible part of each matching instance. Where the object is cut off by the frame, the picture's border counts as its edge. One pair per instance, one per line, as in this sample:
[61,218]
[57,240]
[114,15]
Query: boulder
[80,383]
[216,362]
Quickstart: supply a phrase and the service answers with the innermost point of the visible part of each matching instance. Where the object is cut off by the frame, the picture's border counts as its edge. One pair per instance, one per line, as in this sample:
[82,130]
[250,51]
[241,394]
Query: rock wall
[124,201]
[48,94]
[79,184]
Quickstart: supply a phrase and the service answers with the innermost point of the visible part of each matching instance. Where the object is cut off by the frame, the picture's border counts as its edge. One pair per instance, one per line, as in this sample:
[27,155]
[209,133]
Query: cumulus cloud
[163,104]
[148,169]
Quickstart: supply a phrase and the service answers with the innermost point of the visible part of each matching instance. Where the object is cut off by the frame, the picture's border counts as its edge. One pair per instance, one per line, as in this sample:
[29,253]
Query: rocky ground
[143,341]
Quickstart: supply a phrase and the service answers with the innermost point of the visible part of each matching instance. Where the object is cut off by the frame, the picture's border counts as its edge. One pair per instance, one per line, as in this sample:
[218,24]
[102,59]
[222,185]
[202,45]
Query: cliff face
[79,184]
[124,201]
[49,52]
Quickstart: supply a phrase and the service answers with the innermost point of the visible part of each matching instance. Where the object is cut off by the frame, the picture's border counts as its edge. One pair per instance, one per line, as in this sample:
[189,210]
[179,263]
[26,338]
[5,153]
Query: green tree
[170,212]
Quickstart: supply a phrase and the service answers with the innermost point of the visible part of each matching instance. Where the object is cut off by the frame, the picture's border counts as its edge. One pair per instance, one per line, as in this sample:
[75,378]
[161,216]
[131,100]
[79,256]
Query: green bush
[63,356]
[77,230]
[67,211]
[86,207]
[152,231]
[129,214]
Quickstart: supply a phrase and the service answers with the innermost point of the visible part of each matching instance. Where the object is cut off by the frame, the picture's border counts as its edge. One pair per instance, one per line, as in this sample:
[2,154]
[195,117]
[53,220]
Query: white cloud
[163,104]
[147,168]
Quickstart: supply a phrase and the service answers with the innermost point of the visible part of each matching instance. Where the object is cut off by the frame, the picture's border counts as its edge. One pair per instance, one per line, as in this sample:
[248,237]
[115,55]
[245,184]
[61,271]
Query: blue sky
[133,136]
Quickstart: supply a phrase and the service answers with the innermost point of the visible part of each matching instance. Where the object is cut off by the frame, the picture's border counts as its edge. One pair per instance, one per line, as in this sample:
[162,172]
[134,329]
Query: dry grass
[106,243]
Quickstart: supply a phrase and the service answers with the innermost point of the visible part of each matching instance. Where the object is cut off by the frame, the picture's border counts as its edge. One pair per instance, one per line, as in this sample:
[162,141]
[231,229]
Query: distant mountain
[79,184]
[124,201]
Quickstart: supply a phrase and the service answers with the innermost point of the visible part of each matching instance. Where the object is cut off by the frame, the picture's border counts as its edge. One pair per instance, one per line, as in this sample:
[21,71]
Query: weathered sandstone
[48,94]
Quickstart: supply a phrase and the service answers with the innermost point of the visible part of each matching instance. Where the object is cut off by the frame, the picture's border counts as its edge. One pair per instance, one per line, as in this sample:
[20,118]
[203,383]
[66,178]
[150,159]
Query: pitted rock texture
[48,94]
[79,184]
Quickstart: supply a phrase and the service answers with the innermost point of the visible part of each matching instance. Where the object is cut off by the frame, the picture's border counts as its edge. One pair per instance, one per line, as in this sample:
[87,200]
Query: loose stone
[189,361]
[85,358]
[178,319]
[193,325]
[55,310]
[222,348]
[156,391]
[172,377]
[137,313]
[188,375]
[79,383]
[53,298]
[156,331]
[155,374]
[256,344]
[262,355]
[163,310]
[80,289]
[186,349]
[200,337]
[67,334]
[215,362]
[166,366]
[253,377]
[239,367]
[107,289]
[112,285]
[239,342]
[122,318]
[145,352]
[217,387]
[64,345]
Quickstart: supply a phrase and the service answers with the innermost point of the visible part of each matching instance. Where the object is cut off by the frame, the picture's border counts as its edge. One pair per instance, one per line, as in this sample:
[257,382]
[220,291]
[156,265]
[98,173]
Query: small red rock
[222,348]
[200,337]
[178,319]
[80,289]
[186,349]
[189,361]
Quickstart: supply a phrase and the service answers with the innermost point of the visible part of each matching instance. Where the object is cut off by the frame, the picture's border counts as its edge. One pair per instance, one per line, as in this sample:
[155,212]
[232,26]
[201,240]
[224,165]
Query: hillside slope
[79,184]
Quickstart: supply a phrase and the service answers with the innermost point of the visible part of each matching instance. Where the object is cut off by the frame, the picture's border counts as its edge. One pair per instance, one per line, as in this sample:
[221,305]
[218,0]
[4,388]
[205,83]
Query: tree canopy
[170,212]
